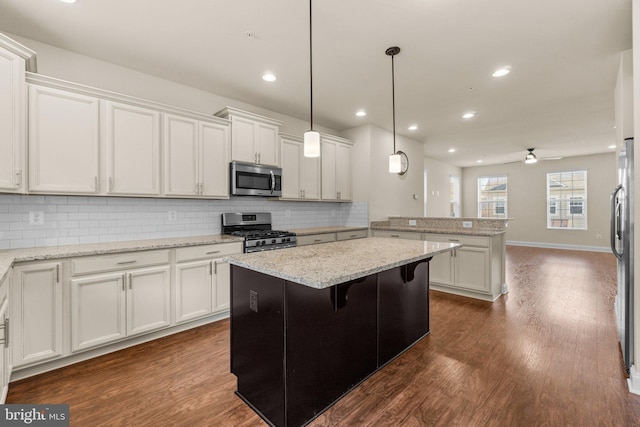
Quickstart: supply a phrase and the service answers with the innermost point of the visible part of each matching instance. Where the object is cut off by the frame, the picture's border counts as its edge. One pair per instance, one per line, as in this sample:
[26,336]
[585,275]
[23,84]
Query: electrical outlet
[412,222]
[253,301]
[36,217]
[467,224]
[287,212]
[598,236]
[172,215]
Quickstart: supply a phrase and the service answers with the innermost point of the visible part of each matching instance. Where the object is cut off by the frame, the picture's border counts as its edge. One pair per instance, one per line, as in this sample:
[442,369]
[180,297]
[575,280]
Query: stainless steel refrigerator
[622,247]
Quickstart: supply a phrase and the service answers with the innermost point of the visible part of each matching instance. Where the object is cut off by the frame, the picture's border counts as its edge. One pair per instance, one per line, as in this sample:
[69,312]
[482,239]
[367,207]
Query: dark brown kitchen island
[308,324]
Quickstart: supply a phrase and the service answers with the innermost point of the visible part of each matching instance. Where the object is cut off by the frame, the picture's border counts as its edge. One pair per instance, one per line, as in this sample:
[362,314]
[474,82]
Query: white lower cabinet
[202,280]
[465,267]
[5,357]
[110,307]
[37,313]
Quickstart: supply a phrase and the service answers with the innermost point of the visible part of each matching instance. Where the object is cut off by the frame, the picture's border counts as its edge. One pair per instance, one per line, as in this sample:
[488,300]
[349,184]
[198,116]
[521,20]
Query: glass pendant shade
[530,158]
[395,163]
[311,144]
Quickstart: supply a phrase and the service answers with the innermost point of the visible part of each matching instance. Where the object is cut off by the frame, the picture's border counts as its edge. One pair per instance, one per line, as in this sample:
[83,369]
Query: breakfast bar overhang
[310,323]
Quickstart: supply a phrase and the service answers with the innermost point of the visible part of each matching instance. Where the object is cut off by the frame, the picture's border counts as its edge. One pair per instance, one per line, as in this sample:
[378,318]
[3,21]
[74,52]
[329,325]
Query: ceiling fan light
[311,143]
[395,163]
[530,158]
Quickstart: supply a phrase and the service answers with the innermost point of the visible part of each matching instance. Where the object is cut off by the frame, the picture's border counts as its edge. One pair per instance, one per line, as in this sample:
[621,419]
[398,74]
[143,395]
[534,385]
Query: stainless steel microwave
[248,179]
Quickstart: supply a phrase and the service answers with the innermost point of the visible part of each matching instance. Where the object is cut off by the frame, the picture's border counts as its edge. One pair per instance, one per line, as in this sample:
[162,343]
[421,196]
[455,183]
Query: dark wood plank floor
[546,354]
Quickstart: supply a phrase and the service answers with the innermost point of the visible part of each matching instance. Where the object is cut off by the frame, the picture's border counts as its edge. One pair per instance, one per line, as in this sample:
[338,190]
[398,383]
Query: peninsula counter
[310,323]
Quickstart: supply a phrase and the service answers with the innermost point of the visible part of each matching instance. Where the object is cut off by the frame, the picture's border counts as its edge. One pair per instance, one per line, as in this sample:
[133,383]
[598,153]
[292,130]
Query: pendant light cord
[393,101]
[311,65]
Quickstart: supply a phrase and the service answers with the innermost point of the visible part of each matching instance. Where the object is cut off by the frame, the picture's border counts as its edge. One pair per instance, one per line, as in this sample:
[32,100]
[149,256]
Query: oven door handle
[615,232]
[272,181]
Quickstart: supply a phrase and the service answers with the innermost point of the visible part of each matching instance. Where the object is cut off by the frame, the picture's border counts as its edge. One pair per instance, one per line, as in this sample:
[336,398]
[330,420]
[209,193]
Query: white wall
[388,194]
[438,186]
[71,66]
[526,199]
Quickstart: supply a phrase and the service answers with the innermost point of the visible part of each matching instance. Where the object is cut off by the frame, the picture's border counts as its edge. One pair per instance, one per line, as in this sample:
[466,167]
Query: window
[567,200]
[454,196]
[492,196]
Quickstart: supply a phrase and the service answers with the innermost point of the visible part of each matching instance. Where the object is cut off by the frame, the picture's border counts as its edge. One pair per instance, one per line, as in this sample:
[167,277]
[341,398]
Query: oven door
[255,180]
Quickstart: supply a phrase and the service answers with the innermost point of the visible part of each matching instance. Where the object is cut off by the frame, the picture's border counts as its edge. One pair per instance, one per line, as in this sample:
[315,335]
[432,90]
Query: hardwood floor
[545,354]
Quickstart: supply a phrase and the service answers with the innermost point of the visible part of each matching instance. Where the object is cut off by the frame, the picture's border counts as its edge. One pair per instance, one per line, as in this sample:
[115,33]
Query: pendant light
[395,159]
[530,158]
[311,137]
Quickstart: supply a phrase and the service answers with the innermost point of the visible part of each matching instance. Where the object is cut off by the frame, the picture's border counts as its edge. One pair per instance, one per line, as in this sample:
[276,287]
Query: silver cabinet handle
[130,286]
[317,240]
[58,273]
[454,240]
[215,267]
[5,328]
[210,268]
[124,282]
[18,179]
[212,252]
[394,235]
[126,262]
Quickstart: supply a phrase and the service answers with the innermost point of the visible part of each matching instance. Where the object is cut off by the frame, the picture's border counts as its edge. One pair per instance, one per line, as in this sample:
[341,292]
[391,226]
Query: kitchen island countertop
[322,266]
[11,256]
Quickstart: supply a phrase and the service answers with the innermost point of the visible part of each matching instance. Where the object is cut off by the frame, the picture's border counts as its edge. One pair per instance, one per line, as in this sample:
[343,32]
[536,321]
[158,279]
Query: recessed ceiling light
[501,72]
[68,1]
[468,115]
[478,161]
[452,150]
[361,113]
[612,146]
[269,77]
[413,127]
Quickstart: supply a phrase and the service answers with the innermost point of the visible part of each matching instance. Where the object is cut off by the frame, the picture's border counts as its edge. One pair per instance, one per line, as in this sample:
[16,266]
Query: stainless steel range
[257,232]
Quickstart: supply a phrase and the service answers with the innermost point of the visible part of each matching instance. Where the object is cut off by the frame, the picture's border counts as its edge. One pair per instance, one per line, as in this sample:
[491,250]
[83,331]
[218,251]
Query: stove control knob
[273,241]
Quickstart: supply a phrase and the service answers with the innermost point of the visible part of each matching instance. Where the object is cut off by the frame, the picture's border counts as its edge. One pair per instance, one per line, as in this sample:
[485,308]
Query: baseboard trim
[634,380]
[559,246]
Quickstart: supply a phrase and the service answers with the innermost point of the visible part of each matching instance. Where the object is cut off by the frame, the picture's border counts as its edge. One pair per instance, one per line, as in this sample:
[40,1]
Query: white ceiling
[563,54]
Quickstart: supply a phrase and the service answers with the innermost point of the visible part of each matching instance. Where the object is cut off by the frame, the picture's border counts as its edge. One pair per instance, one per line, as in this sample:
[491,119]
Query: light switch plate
[467,224]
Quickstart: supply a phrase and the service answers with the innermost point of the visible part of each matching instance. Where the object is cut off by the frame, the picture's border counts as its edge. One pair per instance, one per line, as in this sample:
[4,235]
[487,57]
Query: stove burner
[257,232]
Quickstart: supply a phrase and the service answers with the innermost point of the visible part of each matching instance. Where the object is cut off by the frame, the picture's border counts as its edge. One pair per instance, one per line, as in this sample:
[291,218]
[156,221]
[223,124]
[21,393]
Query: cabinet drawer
[316,238]
[348,235]
[479,241]
[102,263]
[408,235]
[207,251]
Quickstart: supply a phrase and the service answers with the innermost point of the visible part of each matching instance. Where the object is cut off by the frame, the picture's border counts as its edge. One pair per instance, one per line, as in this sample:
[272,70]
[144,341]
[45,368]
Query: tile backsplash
[76,219]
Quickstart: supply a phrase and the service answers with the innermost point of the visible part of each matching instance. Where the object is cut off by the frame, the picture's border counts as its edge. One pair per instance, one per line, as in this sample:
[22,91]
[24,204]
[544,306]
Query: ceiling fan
[531,158]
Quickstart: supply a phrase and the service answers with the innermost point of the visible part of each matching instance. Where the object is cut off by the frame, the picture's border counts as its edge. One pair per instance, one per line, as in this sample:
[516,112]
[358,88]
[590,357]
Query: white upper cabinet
[13,104]
[195,157]
[336,168]
[301,175]
[254,138]
[63,141]
[132,150]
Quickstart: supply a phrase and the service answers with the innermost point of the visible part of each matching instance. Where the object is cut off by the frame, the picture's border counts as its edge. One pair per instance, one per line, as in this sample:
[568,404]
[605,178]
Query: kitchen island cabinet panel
[403,305]
[331,343]
[258,341]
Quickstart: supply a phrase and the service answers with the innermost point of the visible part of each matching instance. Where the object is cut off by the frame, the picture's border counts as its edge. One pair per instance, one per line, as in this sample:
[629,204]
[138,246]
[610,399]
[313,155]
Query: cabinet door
[329,184]
[343,171]
[243,140]
[180,156]
[471,268]
[268,145]
[36,307]
[63,141]
[148,299]
[222,285]
[194,290]
[214,160]
[4,351]
[133,150]
[97,310]
[291,171]
[310,177]
[441,269]
[12,120]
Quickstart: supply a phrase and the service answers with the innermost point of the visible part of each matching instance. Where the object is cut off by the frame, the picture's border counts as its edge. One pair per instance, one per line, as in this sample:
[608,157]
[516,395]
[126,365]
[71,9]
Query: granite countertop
[438,230]
[8,257]
[322,230]
[322,266]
